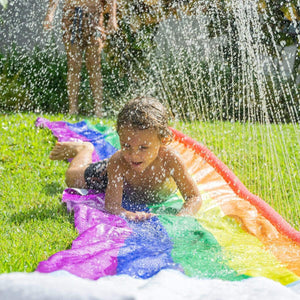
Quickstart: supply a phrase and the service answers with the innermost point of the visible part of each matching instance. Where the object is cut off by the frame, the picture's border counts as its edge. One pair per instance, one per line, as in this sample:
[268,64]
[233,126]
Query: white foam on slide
[167,284]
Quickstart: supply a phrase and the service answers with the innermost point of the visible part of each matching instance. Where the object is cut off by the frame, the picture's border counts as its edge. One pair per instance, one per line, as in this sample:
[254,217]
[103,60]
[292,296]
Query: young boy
[143,169]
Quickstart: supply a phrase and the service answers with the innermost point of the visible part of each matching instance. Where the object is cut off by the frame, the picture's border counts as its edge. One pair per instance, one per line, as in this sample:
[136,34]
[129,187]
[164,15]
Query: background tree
[284,19]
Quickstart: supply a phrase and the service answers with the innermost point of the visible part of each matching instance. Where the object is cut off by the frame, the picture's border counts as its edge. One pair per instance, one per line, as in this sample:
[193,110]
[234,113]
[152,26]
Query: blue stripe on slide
[147,250]
[102,147]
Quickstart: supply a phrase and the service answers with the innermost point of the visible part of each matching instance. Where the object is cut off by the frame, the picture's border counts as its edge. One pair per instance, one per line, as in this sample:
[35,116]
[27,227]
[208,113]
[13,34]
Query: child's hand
[138,216]
[111,27]
[181,214]
[48,21]
[190,207]
[47,24]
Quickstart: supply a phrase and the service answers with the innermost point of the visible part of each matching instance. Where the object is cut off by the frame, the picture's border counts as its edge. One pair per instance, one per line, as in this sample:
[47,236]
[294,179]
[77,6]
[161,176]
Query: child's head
[145,113]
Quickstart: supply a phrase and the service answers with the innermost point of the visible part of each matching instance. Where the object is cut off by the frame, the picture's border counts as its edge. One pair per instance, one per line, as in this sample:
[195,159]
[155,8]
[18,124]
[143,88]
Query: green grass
[35,224]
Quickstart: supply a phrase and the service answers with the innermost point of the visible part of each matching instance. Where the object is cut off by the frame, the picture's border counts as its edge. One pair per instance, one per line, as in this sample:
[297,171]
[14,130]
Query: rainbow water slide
[235,235]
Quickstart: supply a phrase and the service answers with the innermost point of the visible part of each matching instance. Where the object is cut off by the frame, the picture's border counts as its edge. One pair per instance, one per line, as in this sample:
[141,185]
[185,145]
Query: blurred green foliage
[36,81]
[38,77]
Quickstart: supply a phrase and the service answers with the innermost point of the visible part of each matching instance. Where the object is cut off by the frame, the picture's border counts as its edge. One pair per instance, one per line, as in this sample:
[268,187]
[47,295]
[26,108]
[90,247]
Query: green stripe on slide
[244,252]
[194,248]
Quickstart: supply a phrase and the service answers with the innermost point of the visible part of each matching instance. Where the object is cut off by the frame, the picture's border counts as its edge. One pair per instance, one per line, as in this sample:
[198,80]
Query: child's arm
[186,185]
[50,14]
[114,192]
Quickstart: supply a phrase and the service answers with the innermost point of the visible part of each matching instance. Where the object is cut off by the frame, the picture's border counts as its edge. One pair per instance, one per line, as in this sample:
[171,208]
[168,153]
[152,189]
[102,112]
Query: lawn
[35,224]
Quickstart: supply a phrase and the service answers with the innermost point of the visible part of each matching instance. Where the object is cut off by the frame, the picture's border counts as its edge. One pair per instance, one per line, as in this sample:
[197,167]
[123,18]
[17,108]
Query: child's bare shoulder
[170,156]
[115,162]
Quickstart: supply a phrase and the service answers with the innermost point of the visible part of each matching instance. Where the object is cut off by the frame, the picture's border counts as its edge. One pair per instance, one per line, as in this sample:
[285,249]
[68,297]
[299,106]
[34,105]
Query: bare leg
[81,152]
[74,57]
[93,64]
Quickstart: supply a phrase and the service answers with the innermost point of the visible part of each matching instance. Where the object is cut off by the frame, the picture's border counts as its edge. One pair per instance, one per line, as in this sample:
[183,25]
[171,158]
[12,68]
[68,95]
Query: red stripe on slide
[237,186]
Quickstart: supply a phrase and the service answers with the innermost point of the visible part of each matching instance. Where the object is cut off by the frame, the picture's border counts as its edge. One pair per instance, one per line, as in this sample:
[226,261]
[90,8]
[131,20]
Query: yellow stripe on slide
[243,251]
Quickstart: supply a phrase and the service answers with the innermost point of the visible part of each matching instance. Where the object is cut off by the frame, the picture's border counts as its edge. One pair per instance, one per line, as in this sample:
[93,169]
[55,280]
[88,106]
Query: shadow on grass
[59,214]
[52,189]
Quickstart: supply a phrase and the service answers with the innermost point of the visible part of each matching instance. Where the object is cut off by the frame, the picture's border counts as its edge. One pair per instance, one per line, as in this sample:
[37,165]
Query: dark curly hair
[144,113]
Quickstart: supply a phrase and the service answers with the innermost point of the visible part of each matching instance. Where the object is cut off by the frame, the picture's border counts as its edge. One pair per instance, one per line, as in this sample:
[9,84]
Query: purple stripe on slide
[94,252]
[63,133]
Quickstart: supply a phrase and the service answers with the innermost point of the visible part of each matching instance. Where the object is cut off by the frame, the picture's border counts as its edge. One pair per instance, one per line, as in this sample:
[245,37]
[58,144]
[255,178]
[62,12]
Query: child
[144,167]
[84,31]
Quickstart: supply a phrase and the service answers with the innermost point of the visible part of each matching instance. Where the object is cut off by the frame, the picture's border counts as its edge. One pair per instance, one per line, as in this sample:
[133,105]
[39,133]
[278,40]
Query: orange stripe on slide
[236,185]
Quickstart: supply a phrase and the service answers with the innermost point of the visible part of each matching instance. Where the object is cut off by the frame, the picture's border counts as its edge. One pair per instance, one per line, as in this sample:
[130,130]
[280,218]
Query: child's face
[139,147]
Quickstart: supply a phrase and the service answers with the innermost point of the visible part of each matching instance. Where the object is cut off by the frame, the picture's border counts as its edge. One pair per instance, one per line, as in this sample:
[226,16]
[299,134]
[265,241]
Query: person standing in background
[85,27]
